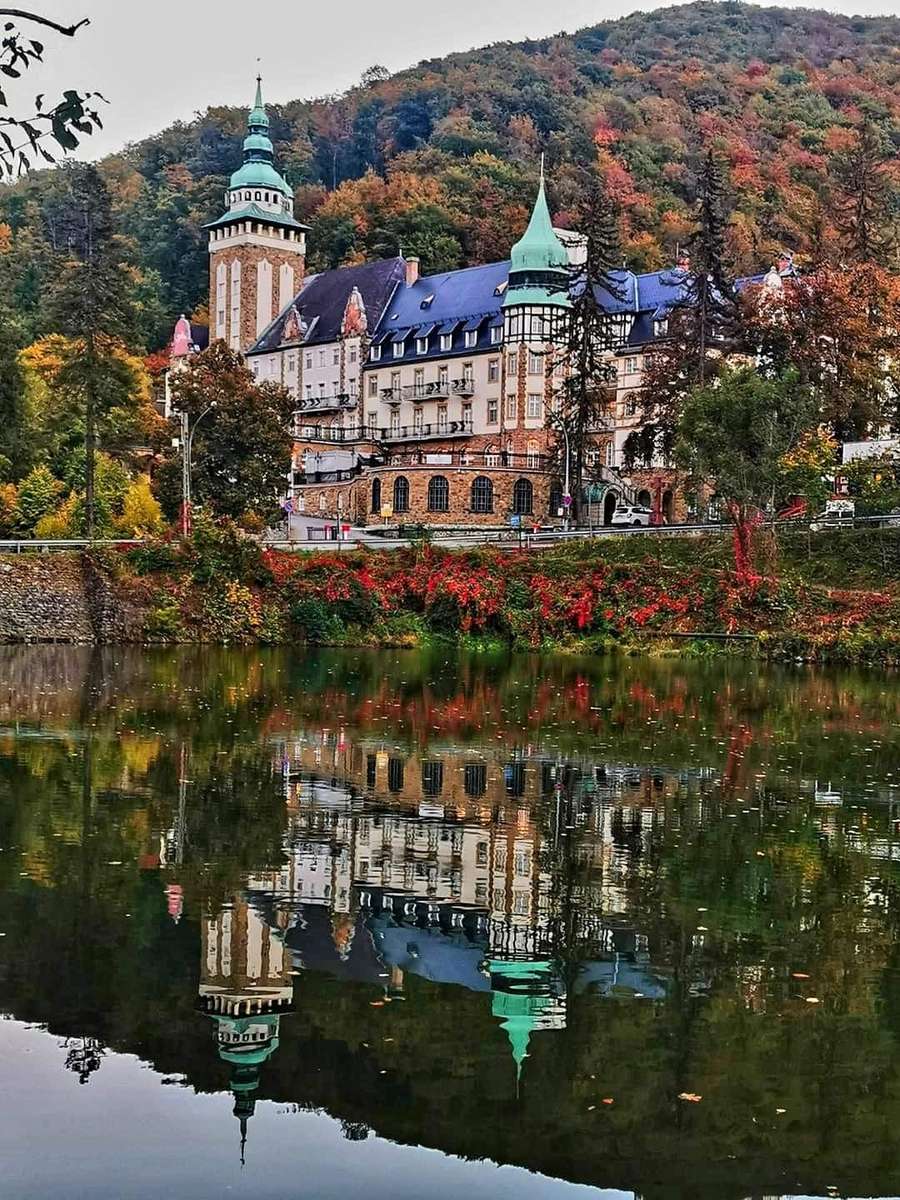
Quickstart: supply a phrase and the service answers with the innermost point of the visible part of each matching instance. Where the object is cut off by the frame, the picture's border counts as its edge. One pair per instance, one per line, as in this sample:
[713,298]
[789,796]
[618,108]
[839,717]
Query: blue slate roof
[449,301]
[322,301]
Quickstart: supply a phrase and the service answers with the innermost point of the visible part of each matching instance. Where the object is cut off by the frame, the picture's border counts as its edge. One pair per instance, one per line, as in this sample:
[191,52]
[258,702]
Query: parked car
[632,514]
[832,520]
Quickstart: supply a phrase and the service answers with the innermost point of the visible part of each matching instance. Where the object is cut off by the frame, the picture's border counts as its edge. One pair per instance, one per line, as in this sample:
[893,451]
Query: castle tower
[257,249]
[537,298]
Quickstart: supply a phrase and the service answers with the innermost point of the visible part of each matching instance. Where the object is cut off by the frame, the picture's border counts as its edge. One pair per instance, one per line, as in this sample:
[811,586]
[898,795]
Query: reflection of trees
[787,889]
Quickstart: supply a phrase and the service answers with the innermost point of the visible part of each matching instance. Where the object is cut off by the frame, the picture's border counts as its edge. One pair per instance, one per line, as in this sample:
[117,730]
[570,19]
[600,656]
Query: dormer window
[399,349]
[446,341]
[500,289]
[375,353]
[496,334]
[422,345]
[427,302]
[471,338]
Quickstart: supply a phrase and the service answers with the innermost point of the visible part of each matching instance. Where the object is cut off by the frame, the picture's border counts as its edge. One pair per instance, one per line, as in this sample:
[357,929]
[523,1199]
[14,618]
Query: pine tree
[863,200]
[703,324]
[13,435]
[596,291]
[91,304]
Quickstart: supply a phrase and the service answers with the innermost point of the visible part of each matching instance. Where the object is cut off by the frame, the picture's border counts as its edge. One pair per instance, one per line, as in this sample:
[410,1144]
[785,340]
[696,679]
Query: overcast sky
[157,61]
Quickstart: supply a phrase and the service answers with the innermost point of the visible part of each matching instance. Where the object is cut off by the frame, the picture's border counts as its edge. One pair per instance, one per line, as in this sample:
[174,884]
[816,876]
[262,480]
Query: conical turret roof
[258,169]
[539,263]
[539,248]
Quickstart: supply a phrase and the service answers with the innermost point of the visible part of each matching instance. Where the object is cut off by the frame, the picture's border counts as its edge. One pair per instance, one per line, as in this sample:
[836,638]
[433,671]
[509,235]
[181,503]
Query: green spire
[539,248]
[523,1000]
[259,118]
[258,170]
[539,264]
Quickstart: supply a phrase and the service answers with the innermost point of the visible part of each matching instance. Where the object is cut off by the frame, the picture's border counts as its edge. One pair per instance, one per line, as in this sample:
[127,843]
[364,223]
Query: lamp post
[567,494]
[187,441]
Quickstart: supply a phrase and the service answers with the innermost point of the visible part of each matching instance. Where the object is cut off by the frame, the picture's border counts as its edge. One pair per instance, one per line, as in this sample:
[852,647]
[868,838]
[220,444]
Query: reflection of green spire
[521,995]
[245,1058]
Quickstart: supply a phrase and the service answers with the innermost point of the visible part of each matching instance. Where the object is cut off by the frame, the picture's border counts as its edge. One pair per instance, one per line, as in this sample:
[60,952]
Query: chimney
[412,270]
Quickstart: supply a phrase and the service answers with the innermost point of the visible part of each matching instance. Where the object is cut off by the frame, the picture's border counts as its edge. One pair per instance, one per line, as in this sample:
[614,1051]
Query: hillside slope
[442,158]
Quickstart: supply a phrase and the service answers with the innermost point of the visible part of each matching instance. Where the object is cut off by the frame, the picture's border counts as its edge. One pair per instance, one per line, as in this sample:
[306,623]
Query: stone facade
[434,495]
[247,275]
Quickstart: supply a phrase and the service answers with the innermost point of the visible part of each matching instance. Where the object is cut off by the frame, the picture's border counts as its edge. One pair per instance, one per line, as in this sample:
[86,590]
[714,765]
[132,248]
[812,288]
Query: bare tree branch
[21,15]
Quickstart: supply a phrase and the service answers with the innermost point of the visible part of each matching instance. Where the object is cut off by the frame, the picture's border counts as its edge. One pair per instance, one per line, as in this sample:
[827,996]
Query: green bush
[219,550]
[316,622]
[164,622]
[153,557]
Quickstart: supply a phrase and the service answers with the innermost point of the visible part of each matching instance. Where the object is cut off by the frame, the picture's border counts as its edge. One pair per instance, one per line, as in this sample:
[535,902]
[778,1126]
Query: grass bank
[831,597]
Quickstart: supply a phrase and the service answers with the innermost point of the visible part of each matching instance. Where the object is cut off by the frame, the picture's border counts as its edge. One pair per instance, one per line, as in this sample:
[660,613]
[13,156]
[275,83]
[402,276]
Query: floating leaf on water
[691,1097]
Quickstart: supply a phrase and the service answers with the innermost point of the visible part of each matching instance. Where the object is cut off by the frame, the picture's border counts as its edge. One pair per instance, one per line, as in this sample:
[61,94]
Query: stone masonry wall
[64,598]
[43,599]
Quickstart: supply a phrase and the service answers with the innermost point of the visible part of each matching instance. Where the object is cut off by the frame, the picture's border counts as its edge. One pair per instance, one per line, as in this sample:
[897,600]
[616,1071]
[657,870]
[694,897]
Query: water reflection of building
[245,988]
[504,874]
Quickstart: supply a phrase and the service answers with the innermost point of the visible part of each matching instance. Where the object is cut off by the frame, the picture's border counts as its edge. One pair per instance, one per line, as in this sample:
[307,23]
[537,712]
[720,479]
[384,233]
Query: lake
[406,924]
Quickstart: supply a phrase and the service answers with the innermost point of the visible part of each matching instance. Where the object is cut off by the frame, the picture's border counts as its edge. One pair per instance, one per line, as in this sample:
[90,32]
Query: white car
[632,514]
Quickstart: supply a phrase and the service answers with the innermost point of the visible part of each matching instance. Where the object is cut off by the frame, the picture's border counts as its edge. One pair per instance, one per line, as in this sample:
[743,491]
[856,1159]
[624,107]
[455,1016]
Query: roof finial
[542,169]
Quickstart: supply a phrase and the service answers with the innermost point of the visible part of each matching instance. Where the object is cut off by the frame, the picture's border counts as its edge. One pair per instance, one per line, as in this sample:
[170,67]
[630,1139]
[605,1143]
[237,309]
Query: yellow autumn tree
[141,513]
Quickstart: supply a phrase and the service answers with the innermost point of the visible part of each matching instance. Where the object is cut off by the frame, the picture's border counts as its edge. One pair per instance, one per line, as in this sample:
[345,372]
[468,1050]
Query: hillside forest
[441,160]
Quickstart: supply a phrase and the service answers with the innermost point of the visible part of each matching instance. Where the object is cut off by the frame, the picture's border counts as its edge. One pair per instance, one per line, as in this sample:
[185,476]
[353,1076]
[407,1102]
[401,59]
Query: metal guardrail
[48,545]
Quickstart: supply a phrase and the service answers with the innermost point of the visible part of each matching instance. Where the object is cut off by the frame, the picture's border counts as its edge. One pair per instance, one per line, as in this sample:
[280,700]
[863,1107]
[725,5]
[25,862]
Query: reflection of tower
[83,1057]
[526,996]
[245,986]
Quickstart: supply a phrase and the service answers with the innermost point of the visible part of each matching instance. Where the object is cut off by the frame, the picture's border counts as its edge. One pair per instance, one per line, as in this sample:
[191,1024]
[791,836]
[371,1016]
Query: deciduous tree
[734,437]
[242,448]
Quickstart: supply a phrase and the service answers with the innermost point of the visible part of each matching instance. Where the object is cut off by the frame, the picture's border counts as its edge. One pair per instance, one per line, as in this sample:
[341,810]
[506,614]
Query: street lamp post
[567,494]
[187,441]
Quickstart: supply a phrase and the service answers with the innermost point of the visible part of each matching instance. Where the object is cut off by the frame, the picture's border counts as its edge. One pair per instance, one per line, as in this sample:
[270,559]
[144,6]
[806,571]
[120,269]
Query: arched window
[438,494]
[644,499]
[401,494]
[523,497]
[376,495]
[482,495]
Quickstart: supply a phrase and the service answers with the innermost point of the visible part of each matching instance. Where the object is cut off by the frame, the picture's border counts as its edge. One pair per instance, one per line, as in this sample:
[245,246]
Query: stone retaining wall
[43,599]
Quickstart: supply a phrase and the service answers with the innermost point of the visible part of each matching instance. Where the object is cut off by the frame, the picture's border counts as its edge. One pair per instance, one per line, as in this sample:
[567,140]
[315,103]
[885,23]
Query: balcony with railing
[308,405]
[440,389]
[479,459]
[423,431]
[418,431]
